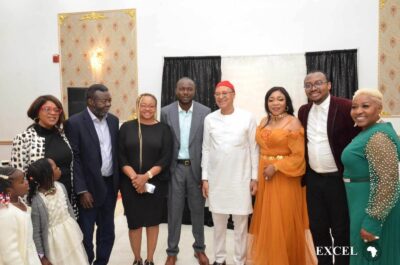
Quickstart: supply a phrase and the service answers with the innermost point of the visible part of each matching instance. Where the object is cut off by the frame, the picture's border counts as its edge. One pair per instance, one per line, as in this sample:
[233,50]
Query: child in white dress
[57,235]
[16,244]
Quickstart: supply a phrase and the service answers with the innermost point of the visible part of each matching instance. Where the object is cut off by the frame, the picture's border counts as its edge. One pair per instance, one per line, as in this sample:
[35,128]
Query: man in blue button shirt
[186,118]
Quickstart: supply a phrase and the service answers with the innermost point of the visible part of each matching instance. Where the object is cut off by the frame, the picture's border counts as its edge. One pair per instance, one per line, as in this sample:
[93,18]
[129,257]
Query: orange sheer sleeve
[293,165]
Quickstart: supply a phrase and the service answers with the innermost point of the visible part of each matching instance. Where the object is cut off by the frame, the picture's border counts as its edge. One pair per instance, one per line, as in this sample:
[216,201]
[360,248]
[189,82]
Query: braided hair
[40,174]
[6,179]
[138,101]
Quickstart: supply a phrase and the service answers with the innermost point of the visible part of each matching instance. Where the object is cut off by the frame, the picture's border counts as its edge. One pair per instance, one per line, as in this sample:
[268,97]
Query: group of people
[326,184]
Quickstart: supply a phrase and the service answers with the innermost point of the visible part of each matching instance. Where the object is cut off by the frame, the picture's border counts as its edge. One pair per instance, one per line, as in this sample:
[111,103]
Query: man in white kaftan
[229,170]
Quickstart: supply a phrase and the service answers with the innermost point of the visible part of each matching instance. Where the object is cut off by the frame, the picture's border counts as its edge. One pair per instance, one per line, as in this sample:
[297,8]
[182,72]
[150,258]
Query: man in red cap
[229,164]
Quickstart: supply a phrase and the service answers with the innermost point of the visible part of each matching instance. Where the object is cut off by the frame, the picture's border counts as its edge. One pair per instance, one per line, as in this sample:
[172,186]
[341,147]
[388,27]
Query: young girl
[57,235]
[16,244]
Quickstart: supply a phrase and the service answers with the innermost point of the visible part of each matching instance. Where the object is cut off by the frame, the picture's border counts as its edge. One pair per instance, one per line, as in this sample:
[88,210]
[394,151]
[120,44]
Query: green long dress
[371,162]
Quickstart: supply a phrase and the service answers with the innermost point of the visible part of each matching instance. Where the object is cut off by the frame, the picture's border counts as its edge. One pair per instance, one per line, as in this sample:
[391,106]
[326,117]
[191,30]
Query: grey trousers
[182,185]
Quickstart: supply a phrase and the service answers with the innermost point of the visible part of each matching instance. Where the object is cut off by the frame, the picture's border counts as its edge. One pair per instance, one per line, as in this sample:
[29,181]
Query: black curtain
[205,72]
[341,67]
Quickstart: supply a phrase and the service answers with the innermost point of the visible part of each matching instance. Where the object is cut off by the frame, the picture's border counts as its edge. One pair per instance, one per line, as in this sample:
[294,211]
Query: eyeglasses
[318,84]
[222,94]
[49,109]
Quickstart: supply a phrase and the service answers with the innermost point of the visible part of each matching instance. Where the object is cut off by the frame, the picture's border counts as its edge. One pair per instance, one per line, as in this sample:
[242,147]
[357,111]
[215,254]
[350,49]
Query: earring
[287,108]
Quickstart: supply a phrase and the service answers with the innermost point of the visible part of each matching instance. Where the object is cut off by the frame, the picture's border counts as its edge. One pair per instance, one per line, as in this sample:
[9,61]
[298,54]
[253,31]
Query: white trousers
[240,237]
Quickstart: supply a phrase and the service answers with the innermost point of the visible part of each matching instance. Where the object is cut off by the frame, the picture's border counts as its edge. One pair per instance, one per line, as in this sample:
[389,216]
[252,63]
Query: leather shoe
[217,263]
[202,258]
[171,260]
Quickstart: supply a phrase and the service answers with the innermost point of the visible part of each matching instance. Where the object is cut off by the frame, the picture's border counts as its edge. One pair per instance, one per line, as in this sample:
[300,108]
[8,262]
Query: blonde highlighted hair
[138,101]
[374,93]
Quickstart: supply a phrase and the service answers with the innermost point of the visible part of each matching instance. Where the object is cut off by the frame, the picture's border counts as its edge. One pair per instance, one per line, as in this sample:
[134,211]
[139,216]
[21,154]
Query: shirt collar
[94,117]
[182,110]
[325,104]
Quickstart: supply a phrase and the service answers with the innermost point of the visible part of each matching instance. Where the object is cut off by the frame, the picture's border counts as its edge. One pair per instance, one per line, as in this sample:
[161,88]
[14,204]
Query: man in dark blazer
[93,135]
[328,129]
[186,118]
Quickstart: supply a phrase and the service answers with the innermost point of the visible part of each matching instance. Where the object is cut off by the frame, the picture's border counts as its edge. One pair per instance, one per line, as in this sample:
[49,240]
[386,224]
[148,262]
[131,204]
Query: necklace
[52,190]
[279,117]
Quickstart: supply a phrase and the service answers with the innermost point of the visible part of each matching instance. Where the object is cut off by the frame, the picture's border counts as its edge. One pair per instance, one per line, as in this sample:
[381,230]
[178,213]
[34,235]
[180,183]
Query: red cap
[226,84]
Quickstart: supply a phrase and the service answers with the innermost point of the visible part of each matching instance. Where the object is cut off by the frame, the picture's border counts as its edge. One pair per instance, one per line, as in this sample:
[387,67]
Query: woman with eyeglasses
[145,149]
[45,138]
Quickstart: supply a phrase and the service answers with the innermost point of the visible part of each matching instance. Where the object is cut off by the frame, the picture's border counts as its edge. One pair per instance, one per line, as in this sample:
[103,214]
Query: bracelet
[149,174]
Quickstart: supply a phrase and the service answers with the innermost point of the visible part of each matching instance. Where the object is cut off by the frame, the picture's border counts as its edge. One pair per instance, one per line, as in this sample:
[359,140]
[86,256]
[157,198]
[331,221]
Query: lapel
[87,120]
[305,117]
[175,121]
[195,122]
[112,132]
[333,108]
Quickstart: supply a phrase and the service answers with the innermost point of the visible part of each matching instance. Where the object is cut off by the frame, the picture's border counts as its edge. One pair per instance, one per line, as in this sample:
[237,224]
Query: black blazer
[85,144]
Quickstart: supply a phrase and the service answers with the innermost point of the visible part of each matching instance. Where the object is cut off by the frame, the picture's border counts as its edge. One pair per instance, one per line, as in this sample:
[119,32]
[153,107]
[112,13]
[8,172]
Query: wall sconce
[96,63]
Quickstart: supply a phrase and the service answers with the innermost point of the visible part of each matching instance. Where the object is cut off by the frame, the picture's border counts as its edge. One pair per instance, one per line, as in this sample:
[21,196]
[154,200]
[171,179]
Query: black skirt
[146,209]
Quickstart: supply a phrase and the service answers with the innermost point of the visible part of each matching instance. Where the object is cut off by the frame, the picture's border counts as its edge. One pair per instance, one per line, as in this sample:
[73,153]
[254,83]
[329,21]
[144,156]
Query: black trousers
[329,216]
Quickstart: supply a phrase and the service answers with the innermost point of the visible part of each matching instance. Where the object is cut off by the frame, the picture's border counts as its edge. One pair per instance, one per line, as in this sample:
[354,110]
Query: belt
[329,174]
[347,180]
[278,157]
[185,162]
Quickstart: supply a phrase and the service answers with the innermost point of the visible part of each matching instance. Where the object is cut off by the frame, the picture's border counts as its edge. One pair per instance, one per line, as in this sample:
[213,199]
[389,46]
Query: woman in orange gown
[279,230]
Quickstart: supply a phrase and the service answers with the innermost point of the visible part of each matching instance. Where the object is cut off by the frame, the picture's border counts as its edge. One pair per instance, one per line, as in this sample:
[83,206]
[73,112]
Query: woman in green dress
[371,176]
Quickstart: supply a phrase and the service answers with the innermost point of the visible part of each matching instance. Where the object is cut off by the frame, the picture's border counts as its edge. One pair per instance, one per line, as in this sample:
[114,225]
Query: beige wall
[389,55]
[100,47]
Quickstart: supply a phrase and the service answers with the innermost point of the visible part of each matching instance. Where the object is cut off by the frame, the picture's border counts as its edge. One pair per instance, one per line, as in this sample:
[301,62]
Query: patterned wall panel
[100,47]
[389,55]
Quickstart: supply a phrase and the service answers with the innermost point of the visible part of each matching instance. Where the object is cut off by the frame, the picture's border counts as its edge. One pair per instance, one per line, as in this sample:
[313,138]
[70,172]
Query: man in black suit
[328,129]
[93,135]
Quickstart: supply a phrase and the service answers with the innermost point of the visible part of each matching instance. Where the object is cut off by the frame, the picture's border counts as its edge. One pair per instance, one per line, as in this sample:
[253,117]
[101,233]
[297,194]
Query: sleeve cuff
[372,225]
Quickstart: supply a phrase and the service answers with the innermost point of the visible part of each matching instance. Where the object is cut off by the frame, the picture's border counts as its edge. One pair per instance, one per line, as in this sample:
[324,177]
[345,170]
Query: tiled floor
[122,254]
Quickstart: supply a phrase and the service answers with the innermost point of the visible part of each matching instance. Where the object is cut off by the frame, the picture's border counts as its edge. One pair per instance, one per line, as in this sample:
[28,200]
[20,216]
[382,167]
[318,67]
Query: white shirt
[230,160]
[320,155]
[185,121]
[103,133]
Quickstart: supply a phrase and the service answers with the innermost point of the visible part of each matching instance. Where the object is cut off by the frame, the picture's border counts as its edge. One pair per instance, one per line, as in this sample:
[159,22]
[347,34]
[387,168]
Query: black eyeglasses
[317,84]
